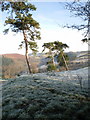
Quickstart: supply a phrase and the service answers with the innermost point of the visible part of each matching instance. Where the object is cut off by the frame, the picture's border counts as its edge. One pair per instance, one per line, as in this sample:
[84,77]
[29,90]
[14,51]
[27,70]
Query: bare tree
[81,10]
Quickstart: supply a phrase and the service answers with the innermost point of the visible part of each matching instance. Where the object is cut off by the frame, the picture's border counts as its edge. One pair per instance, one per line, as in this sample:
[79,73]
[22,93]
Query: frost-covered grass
[46,96]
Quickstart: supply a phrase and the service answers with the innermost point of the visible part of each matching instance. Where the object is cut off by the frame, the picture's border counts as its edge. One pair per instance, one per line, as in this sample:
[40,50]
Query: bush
[51,67]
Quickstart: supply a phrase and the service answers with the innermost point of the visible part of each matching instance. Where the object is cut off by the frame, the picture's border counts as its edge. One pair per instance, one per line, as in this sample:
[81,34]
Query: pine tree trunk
[66,66]
[26,52]
[53,60]
[52,57]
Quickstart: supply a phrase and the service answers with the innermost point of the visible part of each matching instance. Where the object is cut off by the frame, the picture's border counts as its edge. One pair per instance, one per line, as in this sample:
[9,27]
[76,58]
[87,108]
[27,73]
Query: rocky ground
[47,96]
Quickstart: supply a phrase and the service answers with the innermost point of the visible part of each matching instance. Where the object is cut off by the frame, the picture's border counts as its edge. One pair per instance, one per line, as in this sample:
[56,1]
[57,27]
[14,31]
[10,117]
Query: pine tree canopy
[20,18]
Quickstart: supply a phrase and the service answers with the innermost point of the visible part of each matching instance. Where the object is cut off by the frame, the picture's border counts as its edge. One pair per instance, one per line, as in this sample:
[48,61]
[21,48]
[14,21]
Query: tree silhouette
[81,10]
[20,20]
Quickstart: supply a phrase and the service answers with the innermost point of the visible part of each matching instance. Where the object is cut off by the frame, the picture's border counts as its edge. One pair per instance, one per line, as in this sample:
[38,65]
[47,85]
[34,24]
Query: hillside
[15,64]
[12,65]
[14,56]
[18,65]
[47,96]
[77,60]
[78,55]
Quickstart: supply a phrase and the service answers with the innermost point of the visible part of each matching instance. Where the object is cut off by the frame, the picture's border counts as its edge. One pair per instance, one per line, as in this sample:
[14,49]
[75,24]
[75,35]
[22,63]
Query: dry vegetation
[12,65]
[15,64]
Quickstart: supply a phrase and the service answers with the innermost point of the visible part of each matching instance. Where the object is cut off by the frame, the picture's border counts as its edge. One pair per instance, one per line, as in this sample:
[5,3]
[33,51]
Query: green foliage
[56,49]
[33,46]
[51,67]
[50,63]
[60,46]
[48,46]
[60,59]
[20,20]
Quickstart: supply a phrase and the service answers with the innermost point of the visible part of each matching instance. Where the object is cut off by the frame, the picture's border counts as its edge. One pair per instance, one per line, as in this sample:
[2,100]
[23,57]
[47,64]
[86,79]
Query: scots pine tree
[59,48]
[20,20]
[50,52]
[56,48]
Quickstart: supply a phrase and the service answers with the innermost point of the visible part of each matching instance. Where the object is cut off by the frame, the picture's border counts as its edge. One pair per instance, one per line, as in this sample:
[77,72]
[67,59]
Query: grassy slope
[46,96]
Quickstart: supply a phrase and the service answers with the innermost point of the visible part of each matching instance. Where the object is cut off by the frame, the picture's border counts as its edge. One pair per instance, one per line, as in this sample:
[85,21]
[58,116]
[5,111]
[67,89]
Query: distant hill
[12,65]
[78,59]
[75,55]
[14,56]
[18,65]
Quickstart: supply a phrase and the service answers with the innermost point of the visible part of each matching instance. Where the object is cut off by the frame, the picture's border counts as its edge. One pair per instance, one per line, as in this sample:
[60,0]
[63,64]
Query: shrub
[51,67]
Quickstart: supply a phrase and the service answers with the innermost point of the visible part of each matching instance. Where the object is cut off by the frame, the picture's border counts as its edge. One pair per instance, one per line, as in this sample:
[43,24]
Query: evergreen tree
[62,58]
[50,53]
[56,48]
[20,20]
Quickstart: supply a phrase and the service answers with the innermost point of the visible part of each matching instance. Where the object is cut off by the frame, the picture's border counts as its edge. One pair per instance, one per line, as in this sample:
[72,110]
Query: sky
[52,16]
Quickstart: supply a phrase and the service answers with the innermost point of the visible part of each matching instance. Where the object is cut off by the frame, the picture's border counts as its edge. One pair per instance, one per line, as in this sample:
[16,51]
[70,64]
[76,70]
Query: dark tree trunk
[52,55]
[66,66]
[26,52]
[53,59]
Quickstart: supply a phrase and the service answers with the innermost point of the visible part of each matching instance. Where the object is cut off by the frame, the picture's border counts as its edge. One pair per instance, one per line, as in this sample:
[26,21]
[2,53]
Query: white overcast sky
[51,16]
